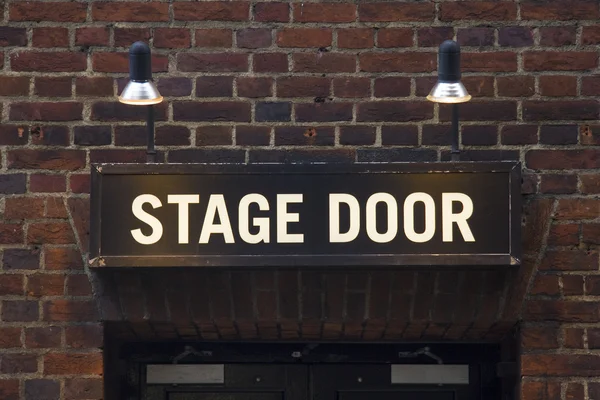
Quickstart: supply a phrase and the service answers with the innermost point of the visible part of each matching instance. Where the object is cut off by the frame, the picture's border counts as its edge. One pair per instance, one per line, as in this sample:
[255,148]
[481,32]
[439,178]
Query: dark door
[308,382]
[242,382]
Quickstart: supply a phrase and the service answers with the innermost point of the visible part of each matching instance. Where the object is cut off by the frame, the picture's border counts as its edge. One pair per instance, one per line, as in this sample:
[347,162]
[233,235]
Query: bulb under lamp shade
[140,90]
[449,88]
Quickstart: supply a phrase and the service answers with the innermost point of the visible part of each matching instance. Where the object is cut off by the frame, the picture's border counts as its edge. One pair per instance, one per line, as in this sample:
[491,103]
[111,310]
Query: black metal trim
[96,259]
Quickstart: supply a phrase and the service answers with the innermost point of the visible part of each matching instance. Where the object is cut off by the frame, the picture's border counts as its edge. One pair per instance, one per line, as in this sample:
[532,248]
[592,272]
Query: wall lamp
[141,90]
[449,89]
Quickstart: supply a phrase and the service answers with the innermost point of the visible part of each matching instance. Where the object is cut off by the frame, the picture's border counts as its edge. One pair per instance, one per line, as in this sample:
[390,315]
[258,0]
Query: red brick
[94,86]
[48,11]
[46,111]
[20,311]
[564,235]
[62,258]
[558,35]
[324,12]
[11,233]
[545,285]
[540,390]
[434,36]
[590,35]
[73,364]
[592,285]
[578,208]
[575,391]
[560,10]
[10,338]
[70,310]
[47,183]
[558,184]
[47,61]
[10,36]
[174,38]
[91,37]
[572,285]
[559,61]
[235,111]
[559,365]
[591,233]
[115,111]
[325,62]
[214,38]
[43,337]
[478,36]
[299,136]
[569,260]
[254,87]
[84,336]
[18,363]
[590,85]
[53,86]
[352,87]
[397,111]
[392,87]
[516,86]
[271,12]
[45,285]
[323,112]
[50,37]
[539,337]
[573,338]
[253,38]
[535,110]
[270,62]
[214,86]
[499,61]
[357,135]
[124,37]
[479,110]
[211,11]
[397,62]
[478,10]
[50,233]
[11,284]
[84,389]
[14,85]
[304,37]
[561,310]
[395,12]
[252,135]
[79,285]
[395,37]
[215,62]
[355,38]
[47,159]
[119,62]
[152,11]
[303,86]
[24,208]
[558,85]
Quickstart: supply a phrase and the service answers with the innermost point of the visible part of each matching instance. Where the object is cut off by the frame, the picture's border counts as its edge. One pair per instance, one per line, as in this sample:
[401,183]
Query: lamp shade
[449,88]
[140,90]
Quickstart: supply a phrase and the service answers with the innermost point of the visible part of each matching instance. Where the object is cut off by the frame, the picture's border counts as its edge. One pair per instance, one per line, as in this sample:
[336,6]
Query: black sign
[305,215]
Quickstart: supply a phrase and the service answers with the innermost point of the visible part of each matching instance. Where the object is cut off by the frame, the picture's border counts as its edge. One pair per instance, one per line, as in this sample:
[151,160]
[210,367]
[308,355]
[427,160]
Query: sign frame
[511,258]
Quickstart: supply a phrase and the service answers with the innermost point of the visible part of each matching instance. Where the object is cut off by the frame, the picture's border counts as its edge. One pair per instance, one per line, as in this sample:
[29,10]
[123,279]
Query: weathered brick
[214,38]
[395,37]
[558,85]
[253,38]
[558,35]
[45,285]
[515,36]
[302,156]
[251,135]
[91,36]
[46,111]
[357,135]
[11,233]
[564,235]
[124,37]
[590,233]
[14,85]
[297,86]
[539,337]
[559,365]
[47,11]
[174,38]
[590,34]
[254,87]
[271,12]
[213,136]
[30,61]
[211,111]
[84,336]
[393,12]
[479,135]
[11,284]
[540,390]
[62,258]
[70,310]
[499,61]
[92,135]
[43,337]
[569,260]
[558,184]
[217,62]
[83,388]
[69,160]
[78,285]
[18,363]
[434,36]
[438,135]
[119,62]
[42,389]
[573,338]
[559,61]
[13,183]
[211,11]
[270,62]
[273,111]
[53,87]
[21,259]
[396,155]
[47,183]
[478,10]
[402,135]
[50,37]
[536,110]
[397,62]
[324,12]
[479,36]
[50,232]
[355,38]
[298,136]
[398,111]
[130,11]
[119,156]
[24,208]
[577,208]
[175,87]
[325,62]
[323,112]
[304,37]
[115,111]
[352,87]
[477,110]
[172,135]
[559,134]
[563,311]
[560,10]
[73,363]
[214,86]
[10,338]
[20,311]
[208,156]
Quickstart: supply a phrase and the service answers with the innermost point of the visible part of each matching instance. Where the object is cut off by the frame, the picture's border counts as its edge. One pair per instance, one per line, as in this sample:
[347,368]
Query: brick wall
[281,82]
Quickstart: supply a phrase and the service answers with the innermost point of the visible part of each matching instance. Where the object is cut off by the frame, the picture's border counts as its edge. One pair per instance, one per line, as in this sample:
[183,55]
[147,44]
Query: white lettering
[409,217]
[216,207]
[262,223]
[183,202]
[157,229]
[448,218]
[335,236]
[392,217]
[283,218]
